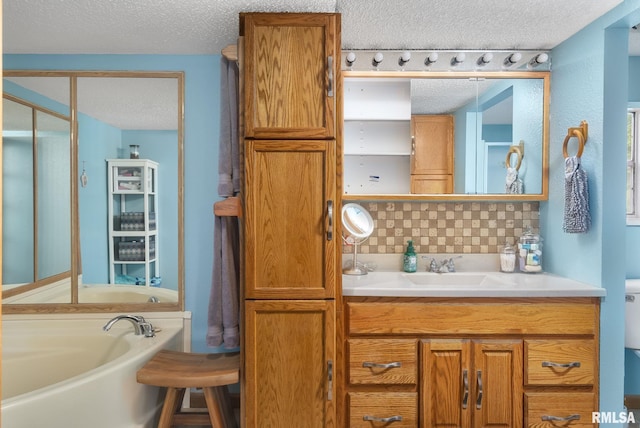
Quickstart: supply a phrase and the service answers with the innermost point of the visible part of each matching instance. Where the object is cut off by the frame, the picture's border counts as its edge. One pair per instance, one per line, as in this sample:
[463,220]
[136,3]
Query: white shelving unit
[133,230]
[377,135]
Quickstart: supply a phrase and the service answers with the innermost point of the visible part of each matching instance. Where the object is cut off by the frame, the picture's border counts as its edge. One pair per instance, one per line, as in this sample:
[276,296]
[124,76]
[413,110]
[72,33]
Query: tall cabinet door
[289,363]
[290,219]
[293,62]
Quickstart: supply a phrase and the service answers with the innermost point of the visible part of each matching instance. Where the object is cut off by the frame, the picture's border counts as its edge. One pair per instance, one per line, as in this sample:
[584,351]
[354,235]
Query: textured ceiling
[206,26]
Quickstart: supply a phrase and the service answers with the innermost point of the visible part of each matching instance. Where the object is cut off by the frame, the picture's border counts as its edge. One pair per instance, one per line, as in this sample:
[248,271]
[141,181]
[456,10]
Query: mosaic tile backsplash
[447,227]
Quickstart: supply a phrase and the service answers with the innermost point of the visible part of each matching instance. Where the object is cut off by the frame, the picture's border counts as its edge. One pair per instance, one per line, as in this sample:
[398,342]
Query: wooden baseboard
[632,401]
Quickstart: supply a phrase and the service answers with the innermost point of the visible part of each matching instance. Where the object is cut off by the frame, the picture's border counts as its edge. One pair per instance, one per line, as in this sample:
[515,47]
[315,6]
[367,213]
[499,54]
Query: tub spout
[140,325]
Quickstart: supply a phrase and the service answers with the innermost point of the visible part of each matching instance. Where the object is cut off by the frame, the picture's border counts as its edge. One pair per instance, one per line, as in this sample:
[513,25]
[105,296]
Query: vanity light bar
[445,60]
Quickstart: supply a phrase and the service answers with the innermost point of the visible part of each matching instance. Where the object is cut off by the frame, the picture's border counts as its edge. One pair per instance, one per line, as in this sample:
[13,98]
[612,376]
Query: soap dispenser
[410,259]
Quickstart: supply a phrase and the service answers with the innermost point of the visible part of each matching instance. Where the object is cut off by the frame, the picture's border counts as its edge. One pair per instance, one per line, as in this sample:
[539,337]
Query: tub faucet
[140,325]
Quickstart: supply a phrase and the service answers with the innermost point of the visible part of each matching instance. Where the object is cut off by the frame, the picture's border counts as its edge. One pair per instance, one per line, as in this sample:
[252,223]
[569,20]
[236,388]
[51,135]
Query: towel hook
[519,152]
[581,133]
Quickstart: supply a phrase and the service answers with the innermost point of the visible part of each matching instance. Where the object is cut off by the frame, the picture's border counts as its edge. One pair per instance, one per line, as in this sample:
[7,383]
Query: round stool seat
[177,371]
[189,370]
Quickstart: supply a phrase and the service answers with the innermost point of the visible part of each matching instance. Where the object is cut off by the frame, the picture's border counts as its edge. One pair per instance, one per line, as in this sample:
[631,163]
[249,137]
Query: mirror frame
[75,306]
[545,76]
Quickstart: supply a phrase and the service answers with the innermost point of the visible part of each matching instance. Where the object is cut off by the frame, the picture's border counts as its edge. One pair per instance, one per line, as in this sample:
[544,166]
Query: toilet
[632,315]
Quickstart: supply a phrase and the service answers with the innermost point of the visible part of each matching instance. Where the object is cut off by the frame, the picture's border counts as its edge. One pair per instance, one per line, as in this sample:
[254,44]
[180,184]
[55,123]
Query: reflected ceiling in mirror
[112,111]
[492,113]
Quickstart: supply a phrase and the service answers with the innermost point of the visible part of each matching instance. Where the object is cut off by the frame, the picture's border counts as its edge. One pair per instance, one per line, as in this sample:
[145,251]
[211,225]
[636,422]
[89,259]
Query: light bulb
[351,58]
[404,58]
[485,59]
[512,59]
[538,59]
[432,58]
[458,59]
[377,59]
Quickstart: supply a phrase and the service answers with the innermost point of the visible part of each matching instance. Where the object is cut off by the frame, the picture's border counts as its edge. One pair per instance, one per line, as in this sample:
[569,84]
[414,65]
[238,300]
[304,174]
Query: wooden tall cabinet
[432,154]
[290,66]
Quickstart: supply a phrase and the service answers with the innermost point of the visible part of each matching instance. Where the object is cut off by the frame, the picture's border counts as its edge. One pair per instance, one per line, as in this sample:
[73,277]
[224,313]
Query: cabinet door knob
[561,365]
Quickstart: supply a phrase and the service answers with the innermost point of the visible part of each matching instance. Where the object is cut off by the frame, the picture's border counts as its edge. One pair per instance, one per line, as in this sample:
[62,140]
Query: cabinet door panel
[498,380]
[289,186]
[446,383]
[288,347]
[433,144]
[289,78]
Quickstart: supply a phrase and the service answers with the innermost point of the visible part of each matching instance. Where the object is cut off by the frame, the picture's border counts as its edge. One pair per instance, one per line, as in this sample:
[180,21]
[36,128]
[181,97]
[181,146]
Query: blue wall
[589,82]
[202,112]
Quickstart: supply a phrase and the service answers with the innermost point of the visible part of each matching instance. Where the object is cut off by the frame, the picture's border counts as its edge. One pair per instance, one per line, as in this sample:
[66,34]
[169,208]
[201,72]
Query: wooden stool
[177,371]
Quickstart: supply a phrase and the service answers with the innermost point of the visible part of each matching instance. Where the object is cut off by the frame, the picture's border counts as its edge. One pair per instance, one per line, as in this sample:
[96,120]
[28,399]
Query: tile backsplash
[447,227]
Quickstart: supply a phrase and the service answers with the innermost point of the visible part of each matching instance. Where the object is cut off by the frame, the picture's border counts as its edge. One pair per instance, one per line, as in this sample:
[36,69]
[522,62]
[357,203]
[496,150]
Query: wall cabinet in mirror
[464,124]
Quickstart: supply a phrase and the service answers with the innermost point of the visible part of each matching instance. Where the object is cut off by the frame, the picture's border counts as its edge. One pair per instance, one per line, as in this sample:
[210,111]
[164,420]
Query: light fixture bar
[446,60]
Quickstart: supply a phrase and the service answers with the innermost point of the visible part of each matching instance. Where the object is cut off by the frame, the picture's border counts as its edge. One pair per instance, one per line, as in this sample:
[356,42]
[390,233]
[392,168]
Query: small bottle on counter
[530,252]
[508,258]
[410,259]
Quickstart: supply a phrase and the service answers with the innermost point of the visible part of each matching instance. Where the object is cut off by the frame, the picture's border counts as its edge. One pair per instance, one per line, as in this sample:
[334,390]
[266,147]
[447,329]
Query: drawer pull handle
[384,420]
[559,418]
[563,366]
[368,364]
[330,67]
[465,382]
[479,400]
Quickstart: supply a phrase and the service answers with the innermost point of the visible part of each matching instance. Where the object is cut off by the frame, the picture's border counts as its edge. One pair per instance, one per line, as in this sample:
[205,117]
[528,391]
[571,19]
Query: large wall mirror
[446,135]
[61,131]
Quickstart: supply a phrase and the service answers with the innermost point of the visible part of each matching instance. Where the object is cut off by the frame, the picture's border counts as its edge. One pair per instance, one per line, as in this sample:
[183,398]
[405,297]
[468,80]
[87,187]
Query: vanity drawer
[383,361]
[388,409]
[560,362]
[471,316]
[572,408]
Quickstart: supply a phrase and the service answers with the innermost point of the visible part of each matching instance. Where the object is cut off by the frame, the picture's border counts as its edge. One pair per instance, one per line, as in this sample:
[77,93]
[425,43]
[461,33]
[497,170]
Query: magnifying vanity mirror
[445,135]
[358,225]
[62,249]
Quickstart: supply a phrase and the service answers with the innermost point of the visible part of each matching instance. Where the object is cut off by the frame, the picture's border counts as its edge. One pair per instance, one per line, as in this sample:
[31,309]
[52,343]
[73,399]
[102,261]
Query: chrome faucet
[140,325]
[446,265]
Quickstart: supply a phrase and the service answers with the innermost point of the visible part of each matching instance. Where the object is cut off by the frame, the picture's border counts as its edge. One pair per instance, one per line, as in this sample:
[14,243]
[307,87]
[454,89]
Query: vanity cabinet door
[432,154]
[290,217]
[472,383]
[291,66]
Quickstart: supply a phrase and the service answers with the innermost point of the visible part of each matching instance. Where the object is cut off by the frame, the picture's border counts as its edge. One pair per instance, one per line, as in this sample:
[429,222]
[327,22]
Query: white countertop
[465,284]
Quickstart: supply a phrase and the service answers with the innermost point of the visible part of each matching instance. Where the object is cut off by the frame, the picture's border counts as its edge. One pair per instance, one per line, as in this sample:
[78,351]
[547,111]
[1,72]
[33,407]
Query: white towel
[577,218]
[513,184]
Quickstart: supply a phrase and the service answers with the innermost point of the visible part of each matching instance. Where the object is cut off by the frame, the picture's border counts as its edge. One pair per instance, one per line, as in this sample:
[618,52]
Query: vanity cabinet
[133,230]
[289,70]
[472,362]
[432,154]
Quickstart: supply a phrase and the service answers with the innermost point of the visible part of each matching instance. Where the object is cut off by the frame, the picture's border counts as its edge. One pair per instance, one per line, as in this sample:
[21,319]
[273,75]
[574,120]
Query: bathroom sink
[456,279]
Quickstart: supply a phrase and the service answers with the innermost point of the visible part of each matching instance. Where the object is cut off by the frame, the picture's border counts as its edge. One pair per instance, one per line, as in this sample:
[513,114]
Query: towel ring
[514,150]
[581,133]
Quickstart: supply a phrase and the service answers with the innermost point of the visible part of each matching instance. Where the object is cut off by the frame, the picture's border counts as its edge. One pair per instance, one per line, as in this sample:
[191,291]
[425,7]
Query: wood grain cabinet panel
[291,65]
[552,410]
[560,362]
[432,154]
[383,409]
[383,361]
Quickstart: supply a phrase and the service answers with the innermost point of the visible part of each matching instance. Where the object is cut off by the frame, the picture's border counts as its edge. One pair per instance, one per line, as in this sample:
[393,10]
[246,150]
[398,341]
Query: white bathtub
[64,371]
[99,293]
